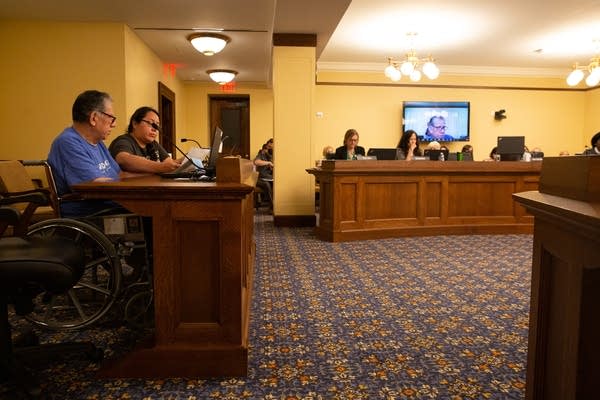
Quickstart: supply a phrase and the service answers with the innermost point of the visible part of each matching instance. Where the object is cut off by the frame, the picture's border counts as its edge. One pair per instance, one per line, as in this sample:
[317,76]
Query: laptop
[434,155]
[382,154]
[193,164]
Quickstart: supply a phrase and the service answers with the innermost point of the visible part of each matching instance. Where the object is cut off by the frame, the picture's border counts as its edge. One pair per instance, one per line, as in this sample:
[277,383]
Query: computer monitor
[434,155]
[382,154]
[211,165]
[510,148]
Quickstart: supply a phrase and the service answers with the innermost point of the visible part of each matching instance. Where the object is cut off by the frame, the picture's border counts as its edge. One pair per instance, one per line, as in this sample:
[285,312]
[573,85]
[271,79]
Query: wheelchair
[117,279]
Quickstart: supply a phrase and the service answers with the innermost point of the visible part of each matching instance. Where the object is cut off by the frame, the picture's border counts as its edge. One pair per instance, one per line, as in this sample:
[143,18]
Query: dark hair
[595,139]
[404,143]
[467,148]
[88,102]
[139,115]
[349,134]
[493,152]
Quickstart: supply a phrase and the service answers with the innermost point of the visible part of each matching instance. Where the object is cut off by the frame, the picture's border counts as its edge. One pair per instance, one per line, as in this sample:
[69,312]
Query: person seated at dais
[350,150]
[328,153]
[408,147]
[595,150]
[78,154]
[137,150]
[467,148]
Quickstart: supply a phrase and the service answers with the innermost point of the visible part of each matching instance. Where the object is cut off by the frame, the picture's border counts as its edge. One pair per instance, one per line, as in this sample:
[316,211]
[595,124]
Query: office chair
[29,266]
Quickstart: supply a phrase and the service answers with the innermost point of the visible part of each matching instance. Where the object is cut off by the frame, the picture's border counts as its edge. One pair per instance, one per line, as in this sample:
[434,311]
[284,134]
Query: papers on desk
[198,156]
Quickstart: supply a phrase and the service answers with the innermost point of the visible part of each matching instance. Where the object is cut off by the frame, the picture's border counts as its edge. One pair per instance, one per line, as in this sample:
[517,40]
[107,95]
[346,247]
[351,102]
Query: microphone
[183,140]
[200,168]
[152,151]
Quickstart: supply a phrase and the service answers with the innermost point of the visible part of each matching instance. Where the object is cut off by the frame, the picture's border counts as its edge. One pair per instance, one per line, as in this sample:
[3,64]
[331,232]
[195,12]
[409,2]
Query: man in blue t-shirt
[78,154]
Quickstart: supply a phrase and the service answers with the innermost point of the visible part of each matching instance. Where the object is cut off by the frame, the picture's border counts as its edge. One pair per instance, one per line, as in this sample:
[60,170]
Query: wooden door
[166,111]
[232,115]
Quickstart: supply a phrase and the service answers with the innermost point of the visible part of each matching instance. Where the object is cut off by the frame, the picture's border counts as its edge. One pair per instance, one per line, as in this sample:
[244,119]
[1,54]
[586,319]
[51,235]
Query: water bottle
[441,157]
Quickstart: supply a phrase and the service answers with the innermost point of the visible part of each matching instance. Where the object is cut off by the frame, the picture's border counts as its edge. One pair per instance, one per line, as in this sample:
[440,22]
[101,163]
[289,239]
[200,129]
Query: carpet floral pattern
[441,317]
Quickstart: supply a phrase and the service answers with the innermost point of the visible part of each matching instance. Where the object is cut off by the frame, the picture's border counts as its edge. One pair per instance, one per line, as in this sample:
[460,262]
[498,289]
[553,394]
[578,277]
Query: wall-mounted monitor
[443,121]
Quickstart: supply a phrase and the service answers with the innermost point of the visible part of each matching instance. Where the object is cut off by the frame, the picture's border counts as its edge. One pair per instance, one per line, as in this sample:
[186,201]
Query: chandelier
[410,65]
[208,44]
[221,76]
[593,69]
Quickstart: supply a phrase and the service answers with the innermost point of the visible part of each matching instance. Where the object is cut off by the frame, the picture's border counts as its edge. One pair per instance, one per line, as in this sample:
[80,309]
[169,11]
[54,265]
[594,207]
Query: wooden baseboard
[295,220]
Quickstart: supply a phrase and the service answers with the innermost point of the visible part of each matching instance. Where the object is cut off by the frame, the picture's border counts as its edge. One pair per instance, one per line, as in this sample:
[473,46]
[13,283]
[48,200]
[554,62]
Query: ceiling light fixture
[409,66]
[593,69]
[208,43]
[577,74]
[221,76]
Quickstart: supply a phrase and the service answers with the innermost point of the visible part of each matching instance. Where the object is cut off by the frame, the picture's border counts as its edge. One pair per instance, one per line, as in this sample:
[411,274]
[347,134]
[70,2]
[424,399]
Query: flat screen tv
[442,121]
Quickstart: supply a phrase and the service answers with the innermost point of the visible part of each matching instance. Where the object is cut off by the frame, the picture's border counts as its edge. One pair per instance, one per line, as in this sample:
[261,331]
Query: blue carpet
[440,317]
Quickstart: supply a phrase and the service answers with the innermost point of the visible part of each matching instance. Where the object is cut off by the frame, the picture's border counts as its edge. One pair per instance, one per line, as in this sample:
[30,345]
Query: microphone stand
[183,140]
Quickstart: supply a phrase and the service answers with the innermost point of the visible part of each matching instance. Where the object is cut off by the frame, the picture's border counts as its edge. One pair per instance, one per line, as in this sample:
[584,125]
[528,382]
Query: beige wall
[553,120]
[44,66]
[47,64]
[196,112]
[143,71]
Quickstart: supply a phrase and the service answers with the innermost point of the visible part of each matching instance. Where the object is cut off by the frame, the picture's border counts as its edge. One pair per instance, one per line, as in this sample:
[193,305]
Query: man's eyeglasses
[439,127]
[112,117]
[154,125]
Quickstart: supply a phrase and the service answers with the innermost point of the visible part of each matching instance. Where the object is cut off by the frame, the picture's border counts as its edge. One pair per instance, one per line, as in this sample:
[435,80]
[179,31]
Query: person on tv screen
[408,147]
[436,130]
[595,150]
[350,150]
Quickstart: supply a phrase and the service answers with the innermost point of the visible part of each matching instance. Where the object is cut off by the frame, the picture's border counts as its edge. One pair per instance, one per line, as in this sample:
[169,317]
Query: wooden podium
[564,324]
[203,262]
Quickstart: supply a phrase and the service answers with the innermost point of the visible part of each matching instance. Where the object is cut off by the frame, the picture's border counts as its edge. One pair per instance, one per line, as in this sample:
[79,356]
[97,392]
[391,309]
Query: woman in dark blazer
[350,150]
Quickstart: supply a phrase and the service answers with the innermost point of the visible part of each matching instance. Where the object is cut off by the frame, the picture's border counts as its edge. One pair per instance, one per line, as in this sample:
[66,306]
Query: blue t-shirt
[74,160]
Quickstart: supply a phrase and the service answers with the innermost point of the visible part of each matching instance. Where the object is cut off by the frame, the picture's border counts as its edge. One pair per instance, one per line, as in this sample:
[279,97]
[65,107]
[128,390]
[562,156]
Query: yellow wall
[592,115]
[293,94]
[45,65]
[197,108]
[553,120]
[143,71]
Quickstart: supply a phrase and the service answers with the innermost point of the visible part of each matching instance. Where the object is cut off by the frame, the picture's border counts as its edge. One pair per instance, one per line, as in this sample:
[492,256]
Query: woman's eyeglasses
[154,125]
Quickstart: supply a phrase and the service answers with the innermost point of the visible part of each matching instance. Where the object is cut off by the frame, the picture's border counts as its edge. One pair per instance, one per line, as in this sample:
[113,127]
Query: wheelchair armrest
[9,216]
[39,197]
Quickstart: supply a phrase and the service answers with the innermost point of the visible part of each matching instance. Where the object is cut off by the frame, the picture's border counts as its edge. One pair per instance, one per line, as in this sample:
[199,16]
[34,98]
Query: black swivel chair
[27,267]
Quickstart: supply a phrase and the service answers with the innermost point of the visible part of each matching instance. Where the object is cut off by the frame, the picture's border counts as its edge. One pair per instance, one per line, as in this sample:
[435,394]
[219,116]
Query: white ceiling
[522,36]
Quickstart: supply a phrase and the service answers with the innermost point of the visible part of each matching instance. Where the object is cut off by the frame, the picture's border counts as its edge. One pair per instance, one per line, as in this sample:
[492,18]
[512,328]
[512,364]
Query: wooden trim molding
[295,220]
[295,39]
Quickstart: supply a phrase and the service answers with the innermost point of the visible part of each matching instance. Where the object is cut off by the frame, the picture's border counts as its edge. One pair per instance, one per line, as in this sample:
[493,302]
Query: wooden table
[203,262]
[368,199]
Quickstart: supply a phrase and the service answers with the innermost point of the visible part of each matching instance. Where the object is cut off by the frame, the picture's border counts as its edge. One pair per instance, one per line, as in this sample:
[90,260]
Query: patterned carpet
[441,317]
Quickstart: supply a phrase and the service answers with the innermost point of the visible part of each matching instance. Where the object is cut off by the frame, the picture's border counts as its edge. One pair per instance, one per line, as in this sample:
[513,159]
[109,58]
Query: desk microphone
[183,140]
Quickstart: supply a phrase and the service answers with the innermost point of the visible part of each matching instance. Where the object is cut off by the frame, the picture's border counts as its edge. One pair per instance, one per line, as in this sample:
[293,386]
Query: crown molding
[451,69]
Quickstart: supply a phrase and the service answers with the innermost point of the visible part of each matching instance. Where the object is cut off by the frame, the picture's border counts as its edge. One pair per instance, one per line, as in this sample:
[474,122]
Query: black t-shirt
[153,151]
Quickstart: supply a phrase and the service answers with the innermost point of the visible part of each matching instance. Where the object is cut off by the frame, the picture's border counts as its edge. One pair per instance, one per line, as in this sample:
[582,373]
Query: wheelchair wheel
[139,310]
[94,294]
